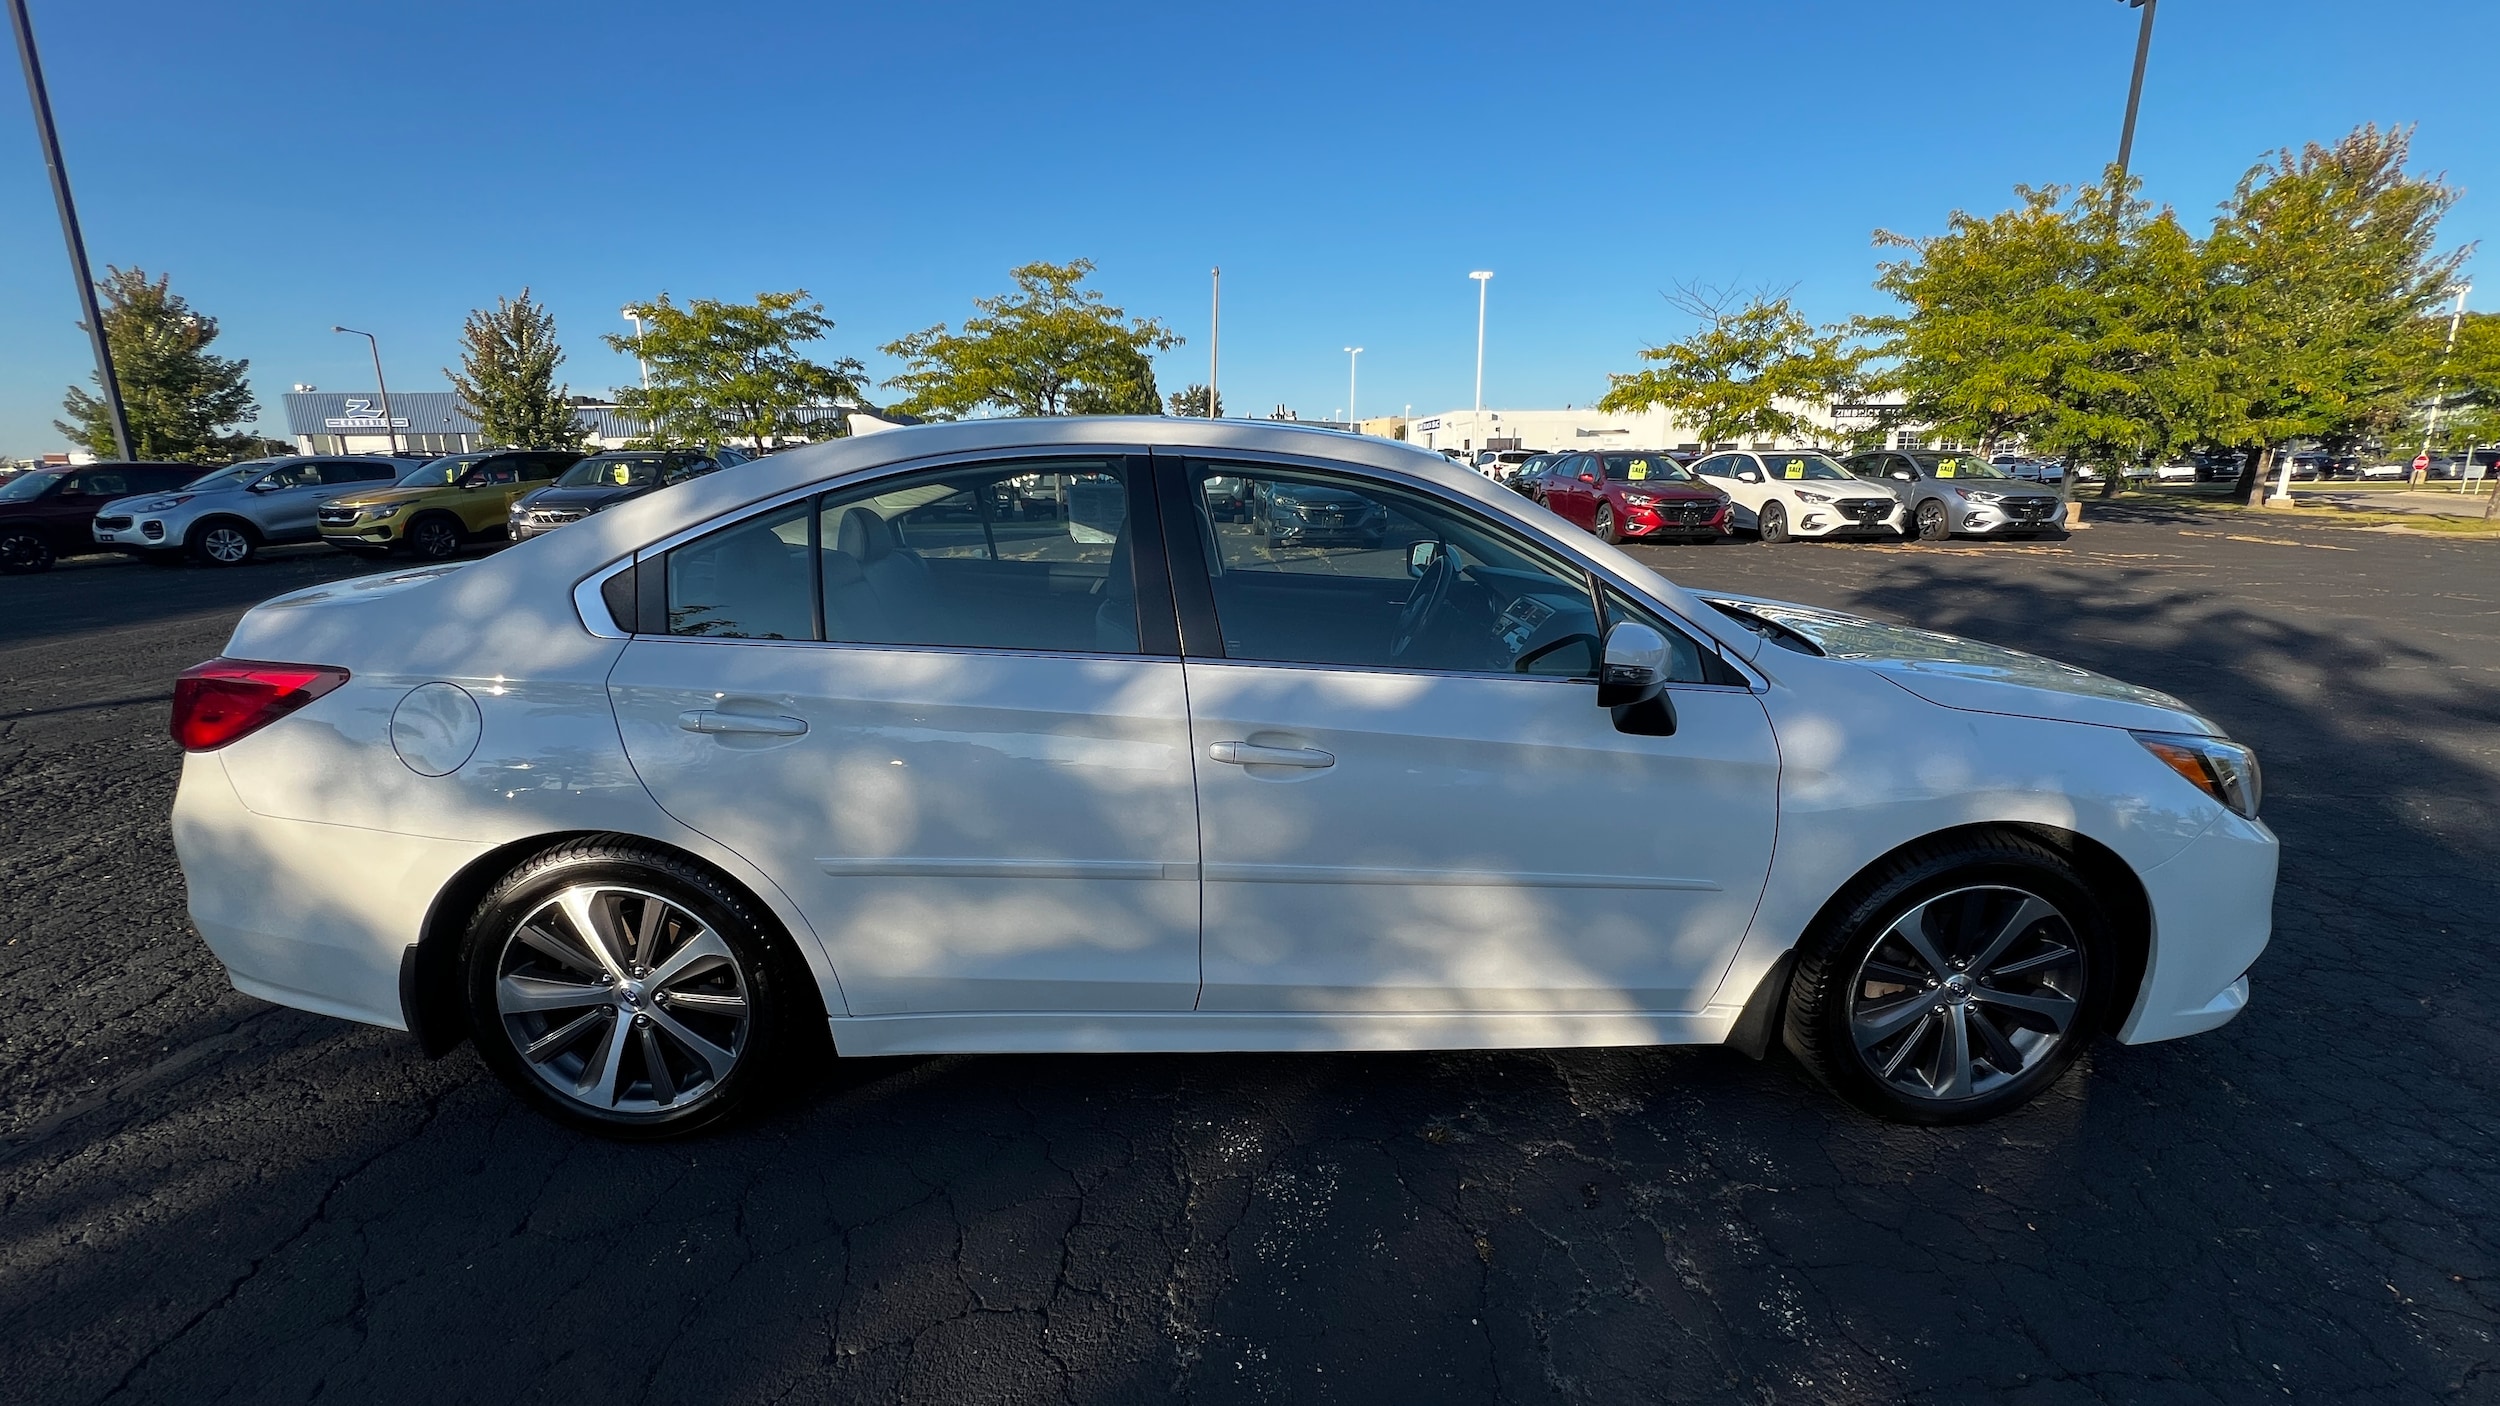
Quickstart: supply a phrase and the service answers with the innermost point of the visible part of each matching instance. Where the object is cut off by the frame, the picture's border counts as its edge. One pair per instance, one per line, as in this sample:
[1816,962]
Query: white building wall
[1469,430]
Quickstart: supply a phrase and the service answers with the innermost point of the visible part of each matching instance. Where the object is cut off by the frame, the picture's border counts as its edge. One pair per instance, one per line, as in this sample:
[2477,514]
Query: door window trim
[1157,632]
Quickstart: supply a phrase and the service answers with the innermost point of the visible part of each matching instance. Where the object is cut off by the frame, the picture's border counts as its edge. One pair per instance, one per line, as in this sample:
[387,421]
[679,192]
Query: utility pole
[1215,332]
[1483,278]
[390,425]
[41,97]
[2135,86]
[2430,426]
[1351,355]
[636,318]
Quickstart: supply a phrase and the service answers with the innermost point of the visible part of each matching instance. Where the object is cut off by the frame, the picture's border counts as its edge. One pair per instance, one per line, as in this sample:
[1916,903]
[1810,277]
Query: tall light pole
[41,97]
[2430,426]
[390,425]
[1483,277]
[1215,332]
[2135,86]
[1351,353]
[636,318]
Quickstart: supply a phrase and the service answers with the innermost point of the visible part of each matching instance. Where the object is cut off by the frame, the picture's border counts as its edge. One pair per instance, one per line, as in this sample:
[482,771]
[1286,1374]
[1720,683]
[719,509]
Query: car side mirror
[263,486]
[1588,478]
[1632,680]
[1421,556]
[1749,476]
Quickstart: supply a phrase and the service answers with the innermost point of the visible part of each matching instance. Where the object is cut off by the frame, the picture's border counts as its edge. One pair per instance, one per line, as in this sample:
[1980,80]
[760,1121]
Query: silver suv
[1959,494]
[227,517]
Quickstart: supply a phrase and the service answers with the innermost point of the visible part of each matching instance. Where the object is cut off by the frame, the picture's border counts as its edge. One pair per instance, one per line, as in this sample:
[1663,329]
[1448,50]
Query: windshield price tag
[1796,468]
[1640,468]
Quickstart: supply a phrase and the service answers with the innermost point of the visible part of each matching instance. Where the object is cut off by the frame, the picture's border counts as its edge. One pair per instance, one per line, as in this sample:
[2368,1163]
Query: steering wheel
[1423,602]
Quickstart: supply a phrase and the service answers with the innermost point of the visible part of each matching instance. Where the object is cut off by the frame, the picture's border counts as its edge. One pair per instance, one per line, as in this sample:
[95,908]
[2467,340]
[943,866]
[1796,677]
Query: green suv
[439,507]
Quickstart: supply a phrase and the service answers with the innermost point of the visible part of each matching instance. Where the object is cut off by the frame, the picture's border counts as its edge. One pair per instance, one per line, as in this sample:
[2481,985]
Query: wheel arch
[429,970]
[2110,876]
[200,526]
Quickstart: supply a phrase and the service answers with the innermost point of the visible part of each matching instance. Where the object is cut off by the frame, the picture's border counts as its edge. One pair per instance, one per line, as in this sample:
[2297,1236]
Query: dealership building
[432,422]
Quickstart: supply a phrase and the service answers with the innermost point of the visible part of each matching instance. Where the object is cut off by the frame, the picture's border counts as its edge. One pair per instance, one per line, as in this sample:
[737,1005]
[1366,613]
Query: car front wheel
[1932,523]
[1604,524]
[1773,523]
[435,538]
[1957,986]
[627,992]
[223,543]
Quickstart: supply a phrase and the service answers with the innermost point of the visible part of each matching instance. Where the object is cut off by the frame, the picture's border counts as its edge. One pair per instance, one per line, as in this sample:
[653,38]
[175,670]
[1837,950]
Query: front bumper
[137,533]
[1840,520]
[1702,522]
[366,535]
[2027,513]
[2213,912]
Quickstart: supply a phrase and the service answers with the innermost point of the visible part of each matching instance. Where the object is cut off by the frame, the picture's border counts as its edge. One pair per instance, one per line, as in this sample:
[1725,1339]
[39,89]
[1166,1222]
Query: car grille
[2031,509]
[555,517]
[337,517]
[1866,512]
[115,523]
[1687,512]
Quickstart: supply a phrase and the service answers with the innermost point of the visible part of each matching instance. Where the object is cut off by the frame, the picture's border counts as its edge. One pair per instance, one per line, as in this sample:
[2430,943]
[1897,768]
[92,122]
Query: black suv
[47,513]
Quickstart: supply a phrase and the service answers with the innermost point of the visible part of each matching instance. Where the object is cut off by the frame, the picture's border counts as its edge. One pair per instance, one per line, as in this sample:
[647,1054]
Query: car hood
[1662,488]
[1953,672]
[376,497]
[593,498]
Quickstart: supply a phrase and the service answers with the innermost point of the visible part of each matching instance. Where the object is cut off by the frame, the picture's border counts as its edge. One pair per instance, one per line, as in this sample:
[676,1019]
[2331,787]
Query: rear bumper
[304,914]
[2213,912]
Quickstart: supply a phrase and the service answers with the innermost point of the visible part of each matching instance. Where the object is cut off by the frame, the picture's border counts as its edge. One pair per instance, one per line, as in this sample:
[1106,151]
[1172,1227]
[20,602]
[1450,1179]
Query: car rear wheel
[24,550]
[627,992]
[435,537]
[224,542]
[1773,521]
[1931,523]
[1957,986]
[1604,524]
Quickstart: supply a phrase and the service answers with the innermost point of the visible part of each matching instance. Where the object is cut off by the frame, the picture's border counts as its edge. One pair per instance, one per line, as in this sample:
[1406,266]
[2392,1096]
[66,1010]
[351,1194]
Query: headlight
[2223,770]
[1983,495]
[1813,497]
[1639,500]
[380,511]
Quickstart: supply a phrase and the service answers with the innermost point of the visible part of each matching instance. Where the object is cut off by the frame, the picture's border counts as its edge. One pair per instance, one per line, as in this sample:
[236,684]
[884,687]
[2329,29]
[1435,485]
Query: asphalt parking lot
[204,1198]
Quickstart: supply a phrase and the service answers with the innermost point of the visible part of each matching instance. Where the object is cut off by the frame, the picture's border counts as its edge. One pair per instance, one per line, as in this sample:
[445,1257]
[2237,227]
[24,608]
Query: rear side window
[747,581]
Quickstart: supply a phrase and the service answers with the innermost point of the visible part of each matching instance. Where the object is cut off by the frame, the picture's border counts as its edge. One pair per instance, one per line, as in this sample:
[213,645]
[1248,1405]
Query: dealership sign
[362,416]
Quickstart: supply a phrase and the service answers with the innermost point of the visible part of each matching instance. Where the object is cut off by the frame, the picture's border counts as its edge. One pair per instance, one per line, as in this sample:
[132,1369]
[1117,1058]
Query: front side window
[1337,570]
[1031,555]
[305,474]
[99,484]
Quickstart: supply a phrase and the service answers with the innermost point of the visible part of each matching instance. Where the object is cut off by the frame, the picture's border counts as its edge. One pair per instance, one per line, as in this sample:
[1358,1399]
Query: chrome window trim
[592,606]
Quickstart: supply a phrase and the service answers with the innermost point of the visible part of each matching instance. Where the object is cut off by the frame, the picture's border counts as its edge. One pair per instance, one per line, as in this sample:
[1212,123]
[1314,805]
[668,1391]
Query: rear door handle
[1252,754]
[706,720]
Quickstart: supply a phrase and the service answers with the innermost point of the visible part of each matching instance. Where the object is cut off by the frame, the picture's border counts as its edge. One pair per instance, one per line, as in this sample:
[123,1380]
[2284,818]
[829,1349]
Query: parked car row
[369,504]
[1651,495]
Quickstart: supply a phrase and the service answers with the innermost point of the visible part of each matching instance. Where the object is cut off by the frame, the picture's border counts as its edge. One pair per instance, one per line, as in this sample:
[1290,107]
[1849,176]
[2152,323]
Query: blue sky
[391,165]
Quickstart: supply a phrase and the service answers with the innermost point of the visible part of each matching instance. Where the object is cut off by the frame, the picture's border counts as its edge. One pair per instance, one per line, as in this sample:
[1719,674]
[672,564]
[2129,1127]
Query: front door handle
[1252,754]
[706,720]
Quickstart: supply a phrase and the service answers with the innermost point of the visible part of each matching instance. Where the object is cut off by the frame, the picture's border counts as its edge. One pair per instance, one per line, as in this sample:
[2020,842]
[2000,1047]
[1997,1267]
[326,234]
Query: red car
[50,512]
[1633,495]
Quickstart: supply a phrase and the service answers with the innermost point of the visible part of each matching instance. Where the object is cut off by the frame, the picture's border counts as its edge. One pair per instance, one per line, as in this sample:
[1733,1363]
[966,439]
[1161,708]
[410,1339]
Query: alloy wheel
[1605,524]
[1932,526]
[434,539]
[226,546]
[1965,992]
[24,550]
[621,1001]
[1773,524]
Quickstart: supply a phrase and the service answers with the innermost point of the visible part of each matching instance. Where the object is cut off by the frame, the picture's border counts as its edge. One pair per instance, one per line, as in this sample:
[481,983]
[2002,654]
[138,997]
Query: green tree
[1050,347]
[507,377]
[1190,402]
[2326,282]
[732,371]
[1754,367]
[183,402]
[2072,321]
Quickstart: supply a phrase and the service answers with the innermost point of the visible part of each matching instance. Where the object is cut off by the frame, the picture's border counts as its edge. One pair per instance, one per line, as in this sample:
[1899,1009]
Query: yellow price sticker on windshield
[1640,468]
[1945,469]
[1796,468]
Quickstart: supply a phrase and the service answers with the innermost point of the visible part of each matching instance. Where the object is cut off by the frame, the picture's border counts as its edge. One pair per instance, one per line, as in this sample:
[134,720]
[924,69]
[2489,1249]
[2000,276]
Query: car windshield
[437,473]
[1932,465]
[1636,468]
[616,471]
[26,486]
[1810,467]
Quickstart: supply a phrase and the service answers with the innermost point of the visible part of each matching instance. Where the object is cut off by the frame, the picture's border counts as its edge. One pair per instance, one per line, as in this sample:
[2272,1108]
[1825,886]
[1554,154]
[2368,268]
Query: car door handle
[706,720]
[1252,754]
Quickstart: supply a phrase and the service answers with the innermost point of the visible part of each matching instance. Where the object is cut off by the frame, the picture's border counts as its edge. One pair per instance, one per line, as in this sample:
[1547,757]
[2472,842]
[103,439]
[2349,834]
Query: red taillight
[223,699]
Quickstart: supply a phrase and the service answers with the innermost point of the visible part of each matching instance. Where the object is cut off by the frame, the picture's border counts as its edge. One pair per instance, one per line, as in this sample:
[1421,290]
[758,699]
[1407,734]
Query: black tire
[1844,961]
[1931,521]
[779,1031]
[24,551]
[1772,524]
[1604,524]
[223,541]
[435,537]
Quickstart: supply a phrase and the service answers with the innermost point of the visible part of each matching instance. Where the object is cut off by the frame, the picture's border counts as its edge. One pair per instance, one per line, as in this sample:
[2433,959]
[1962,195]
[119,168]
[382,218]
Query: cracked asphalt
[204,1198]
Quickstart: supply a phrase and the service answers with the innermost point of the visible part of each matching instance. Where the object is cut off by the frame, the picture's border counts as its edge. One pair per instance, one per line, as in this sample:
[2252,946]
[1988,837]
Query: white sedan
[1799,493]
[831,754]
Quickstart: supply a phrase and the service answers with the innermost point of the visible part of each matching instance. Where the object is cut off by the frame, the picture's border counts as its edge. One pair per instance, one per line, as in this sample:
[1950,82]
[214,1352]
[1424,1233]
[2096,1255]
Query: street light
[2430,426]
[1350,354]
[41,97]
[1482,278]
[2135,86]
[1215,331]
[636,318]
[390,426]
